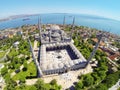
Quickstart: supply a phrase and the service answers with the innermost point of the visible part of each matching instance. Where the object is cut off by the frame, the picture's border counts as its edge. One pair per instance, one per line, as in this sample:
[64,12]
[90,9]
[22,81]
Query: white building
[16,44]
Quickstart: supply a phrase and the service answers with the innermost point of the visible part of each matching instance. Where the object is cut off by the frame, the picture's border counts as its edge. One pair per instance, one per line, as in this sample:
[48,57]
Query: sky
[105,8]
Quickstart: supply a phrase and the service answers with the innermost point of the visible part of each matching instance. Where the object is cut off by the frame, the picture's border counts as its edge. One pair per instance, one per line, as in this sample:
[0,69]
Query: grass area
[31,71]
[26,87]
[2,54]
[11,70]
[5,47]
[118,88]
[13,52]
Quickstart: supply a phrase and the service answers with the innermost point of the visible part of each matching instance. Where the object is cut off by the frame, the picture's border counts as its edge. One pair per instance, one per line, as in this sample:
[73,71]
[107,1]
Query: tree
[22,59]
[8,57]
[7,77]
[97,57]
[32,88]
[39,84]
[79,85]
[111,79]
[93,36]
[88,80]
[22,80]
[101,87]
[76,42]
[28,57]
[54,85]
[4,71]
[102,74]
[119,88]
[12,65]
[103,68]
[118,61]
[25,66]
[11,84]
[22,86]
[17,66]
[96,78]
[53,82]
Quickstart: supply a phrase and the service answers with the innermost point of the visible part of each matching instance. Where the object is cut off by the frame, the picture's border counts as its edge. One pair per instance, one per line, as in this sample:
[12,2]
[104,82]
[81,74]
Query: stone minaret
[72,28]
[96,47]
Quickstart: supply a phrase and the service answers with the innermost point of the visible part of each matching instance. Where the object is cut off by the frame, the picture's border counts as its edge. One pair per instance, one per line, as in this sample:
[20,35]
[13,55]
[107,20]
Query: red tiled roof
[96,40]
[112,57]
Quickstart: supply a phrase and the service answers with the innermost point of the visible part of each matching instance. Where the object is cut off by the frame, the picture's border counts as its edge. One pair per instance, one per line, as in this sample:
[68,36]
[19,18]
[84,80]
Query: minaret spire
[64,22]
[96,47]
[73,23]
[72,27]
[39,27]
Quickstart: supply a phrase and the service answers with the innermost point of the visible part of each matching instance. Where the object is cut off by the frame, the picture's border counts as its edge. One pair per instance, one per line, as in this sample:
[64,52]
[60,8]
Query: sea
[92,21]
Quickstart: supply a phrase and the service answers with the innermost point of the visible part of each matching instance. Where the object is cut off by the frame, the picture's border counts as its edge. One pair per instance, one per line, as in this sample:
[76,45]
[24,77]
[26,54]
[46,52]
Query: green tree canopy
[101,87]
[88,80]
[79,85]
[4,71]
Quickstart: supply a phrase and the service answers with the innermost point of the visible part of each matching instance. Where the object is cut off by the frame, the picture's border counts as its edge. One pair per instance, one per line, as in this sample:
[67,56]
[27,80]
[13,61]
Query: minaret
[64,22]
[73,23]
[77,34]
[72,28]
[50,34]
[39,27]
[96,47]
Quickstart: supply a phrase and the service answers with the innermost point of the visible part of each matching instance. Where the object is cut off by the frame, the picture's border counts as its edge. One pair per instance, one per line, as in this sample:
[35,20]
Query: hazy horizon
[92,15]
[103,8]
[57,18]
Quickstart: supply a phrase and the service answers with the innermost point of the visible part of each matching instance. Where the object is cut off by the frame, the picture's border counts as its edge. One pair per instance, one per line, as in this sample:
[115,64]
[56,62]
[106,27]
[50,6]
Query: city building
[58,53]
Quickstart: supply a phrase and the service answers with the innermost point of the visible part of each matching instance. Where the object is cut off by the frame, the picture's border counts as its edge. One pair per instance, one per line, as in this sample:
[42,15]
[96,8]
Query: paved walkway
[1,51]
[35,44]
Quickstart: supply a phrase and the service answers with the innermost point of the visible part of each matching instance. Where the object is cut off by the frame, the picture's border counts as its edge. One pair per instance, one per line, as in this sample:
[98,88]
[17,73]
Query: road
[113,62]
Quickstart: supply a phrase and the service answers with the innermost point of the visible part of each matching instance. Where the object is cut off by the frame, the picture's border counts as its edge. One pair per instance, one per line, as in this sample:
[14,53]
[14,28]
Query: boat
[26,19]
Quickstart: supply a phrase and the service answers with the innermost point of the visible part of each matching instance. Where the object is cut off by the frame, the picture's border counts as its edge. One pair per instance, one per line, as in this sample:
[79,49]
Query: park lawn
[31,71]
[27,87]
[5,47]
[2,54]
[11,70]
[13,52]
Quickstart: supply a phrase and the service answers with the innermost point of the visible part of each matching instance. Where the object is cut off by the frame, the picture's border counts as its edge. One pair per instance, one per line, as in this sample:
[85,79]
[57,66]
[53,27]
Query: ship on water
[26,19]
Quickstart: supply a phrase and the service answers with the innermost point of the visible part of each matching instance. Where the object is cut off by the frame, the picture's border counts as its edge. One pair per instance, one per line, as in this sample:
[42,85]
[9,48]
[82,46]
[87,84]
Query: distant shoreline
[27,15]
[16,17]
[97,22]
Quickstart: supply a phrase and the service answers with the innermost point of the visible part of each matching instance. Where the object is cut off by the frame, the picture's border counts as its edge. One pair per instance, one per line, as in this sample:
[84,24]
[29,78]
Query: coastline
[101,23]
